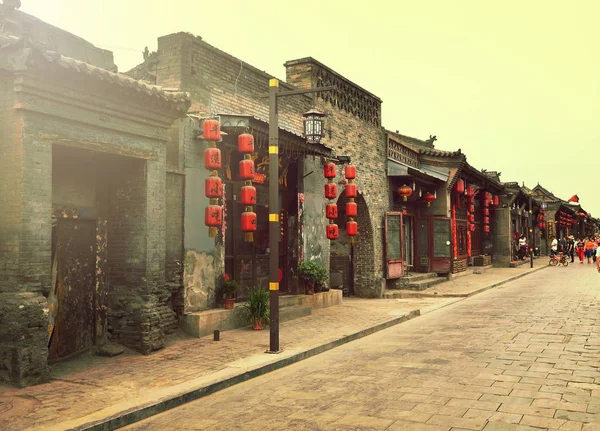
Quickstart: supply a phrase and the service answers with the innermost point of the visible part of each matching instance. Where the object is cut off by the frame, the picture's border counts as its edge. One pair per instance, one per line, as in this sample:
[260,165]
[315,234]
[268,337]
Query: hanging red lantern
[496,201]
[429,197]
[330,190]
[212,130]
[246,143]
[329,170]
[350,172]
[472,228]
[246,169]
[248,222]
[248,195]
[212,158]
[486,220]
[351,209]
[351,228]
[333,232]
[460,186]
[331,211]
[471,208]
[470,191]
[486,228]
[213,218]
[405,191]
[351,191]
[486,212]
[213,187]
[471,218]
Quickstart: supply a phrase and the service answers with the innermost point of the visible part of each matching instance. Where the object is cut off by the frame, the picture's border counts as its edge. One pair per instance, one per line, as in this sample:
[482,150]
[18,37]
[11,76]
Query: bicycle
[559,258]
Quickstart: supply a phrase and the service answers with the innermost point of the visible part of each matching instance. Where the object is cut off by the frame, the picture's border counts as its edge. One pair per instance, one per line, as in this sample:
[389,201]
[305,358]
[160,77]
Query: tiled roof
[439,153]
[115,78]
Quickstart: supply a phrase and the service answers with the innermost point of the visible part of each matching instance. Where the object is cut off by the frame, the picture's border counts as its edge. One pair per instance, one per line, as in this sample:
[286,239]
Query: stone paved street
[521,357]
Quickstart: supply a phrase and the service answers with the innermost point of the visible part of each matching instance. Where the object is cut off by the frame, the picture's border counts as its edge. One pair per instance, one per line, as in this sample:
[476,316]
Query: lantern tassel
[213,232]
[352,240]
[248,237]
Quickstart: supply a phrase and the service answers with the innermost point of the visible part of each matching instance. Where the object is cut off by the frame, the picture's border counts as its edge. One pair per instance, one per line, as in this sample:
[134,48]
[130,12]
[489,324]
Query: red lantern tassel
[249,237]
[213,232]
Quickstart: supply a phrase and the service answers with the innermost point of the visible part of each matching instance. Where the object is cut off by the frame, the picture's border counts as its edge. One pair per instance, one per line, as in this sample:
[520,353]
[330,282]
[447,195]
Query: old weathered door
[422,245]
[75,242]
[441,245]
[394,255]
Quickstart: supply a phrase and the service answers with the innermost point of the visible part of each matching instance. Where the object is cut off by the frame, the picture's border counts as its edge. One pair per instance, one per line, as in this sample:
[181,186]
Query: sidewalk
[100,393]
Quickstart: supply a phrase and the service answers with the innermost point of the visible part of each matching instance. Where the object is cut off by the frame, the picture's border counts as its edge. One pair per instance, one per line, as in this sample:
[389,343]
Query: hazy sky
[514,84]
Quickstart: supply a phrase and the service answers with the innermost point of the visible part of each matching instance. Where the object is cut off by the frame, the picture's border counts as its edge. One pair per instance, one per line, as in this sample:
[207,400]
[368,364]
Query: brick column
[25,249]
[502,237]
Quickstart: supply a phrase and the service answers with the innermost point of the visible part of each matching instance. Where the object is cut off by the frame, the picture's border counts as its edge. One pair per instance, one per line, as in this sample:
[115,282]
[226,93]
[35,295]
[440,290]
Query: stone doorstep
[203,323]
[470,271]
[425,284]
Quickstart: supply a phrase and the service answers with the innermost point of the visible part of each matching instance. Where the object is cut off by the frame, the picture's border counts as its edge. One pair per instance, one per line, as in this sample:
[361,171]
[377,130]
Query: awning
[397,169]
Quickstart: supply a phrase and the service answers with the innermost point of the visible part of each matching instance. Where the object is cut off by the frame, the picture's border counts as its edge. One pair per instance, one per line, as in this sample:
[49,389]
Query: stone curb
[142,412]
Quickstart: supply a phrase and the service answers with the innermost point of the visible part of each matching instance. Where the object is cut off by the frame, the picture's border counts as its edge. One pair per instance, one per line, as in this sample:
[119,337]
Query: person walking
[571,248]
[589,250]
[553,246]
[580,248]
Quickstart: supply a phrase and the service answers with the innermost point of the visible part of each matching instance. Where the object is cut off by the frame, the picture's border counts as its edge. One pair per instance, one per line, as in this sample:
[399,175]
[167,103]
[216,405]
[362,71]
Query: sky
[513,84]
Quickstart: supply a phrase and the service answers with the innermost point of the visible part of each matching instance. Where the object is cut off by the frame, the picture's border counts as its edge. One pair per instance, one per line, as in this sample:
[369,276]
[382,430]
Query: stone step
[417,276]
[426,283]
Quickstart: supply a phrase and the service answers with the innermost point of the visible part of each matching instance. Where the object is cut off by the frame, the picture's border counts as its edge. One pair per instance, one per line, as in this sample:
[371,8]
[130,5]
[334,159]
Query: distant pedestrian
[571,248]
[553,246]
[589,250]
[580,248]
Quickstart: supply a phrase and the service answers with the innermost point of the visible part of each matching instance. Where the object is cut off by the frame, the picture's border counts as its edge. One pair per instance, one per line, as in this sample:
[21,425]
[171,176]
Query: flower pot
[257,325]
[229,302]
[309,287]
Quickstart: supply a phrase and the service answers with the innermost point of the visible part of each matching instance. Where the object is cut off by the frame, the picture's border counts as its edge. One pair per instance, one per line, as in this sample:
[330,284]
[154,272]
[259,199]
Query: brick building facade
[83,204]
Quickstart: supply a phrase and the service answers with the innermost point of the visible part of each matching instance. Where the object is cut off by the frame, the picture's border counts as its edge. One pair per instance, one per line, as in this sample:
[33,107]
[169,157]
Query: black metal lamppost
[313,132]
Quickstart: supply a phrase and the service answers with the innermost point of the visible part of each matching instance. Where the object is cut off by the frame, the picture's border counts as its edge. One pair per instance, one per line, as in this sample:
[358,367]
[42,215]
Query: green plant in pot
[256,310]
[313,274]
[230,287]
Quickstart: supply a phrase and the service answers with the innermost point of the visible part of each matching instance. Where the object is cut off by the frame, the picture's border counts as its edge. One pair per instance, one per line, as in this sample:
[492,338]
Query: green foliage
[311,270]
[230,288]
[257,306]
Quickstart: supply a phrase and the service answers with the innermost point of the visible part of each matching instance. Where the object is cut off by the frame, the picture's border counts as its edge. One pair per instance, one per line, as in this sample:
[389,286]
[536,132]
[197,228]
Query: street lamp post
[314,132]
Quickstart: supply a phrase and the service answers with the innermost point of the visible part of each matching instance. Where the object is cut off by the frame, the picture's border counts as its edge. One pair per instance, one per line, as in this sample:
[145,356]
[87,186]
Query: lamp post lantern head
[544,206]
[313,126]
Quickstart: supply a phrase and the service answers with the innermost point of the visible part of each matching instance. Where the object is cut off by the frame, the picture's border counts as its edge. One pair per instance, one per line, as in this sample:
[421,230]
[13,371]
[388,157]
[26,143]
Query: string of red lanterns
[248,191]
[331,209]
[351,193]
[213,186]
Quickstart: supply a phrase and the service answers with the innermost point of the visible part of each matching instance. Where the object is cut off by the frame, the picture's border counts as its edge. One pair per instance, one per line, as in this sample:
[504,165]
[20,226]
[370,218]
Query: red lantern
[331,211]
[329,170]
[246,143]
[405,191]
[351,191]
[496,201]
[351,209]
[460,186]
[351,228]
[470,191]
[472,228]
[333,232]
[249,222]
[471,218]
[330,190]
[350,172]
[429,197]
[246,169]
[471,208]
[212,130]
[486,220]
[213,187]
[248,195]
[486,212]
[212,158]
[213,215]
[486,228]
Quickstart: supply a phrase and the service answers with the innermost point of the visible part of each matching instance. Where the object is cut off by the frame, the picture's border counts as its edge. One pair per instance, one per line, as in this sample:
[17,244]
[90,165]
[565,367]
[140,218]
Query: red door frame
[434,263]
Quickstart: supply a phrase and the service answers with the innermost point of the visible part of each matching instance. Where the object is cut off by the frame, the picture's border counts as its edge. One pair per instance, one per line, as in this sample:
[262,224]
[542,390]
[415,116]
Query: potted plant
[313,274]
[256,310]
[230,287]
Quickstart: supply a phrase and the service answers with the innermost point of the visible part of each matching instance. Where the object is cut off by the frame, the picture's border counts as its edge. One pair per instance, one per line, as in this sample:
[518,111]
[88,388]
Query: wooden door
[422,263]
[441,250]
[394,250]
[74,324]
